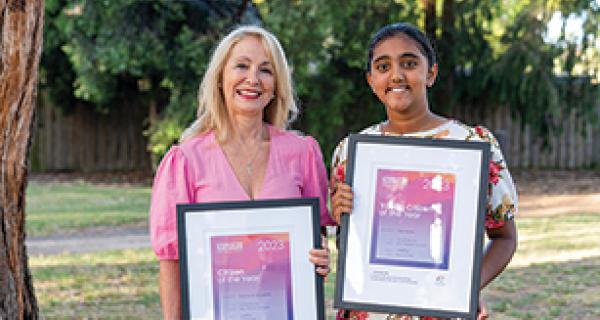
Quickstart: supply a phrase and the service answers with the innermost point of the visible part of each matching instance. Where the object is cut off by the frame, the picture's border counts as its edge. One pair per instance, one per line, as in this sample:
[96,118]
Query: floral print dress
[502,194]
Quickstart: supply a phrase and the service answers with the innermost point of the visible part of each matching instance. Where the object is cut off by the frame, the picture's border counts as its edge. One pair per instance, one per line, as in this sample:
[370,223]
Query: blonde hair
[212,112]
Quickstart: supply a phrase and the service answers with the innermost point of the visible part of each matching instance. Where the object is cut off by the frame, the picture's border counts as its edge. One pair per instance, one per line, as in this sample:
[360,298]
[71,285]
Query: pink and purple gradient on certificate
[412,218]
[251,277]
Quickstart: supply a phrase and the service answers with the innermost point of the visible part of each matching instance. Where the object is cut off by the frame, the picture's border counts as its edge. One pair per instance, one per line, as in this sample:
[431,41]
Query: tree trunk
[21,24]
[447,52]
[430,19]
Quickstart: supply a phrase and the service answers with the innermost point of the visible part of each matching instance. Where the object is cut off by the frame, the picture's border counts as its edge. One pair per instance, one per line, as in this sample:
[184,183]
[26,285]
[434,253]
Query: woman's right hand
[341,200]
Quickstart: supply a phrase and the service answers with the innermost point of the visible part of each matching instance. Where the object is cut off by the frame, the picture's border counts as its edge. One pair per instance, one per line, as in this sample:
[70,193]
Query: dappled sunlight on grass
[555,273]
[565,290]
[55,208]
[115,284]
[557,239]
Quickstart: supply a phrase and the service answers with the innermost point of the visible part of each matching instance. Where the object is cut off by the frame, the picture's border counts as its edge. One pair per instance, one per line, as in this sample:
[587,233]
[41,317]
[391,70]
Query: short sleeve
[502,194]
[338,162]
[171,187]
[338,165]
[315,179]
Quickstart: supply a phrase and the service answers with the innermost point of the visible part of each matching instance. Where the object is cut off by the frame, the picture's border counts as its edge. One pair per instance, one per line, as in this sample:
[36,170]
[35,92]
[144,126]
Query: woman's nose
[397,74]
[252,77]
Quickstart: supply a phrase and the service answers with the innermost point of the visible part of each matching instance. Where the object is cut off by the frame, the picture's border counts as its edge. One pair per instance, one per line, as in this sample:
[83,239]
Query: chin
[251,109]
[398,108]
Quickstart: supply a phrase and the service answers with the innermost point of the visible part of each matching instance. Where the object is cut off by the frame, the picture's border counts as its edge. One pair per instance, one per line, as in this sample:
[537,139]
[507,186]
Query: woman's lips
[397,89]
[248,94]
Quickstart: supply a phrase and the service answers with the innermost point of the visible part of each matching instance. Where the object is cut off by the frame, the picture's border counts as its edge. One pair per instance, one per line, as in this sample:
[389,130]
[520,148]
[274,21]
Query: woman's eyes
[244,66]
[409,64]
[382,67]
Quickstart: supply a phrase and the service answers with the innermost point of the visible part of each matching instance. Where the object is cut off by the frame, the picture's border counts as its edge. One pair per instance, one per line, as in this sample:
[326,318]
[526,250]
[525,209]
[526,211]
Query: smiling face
[248,78]
[400,75]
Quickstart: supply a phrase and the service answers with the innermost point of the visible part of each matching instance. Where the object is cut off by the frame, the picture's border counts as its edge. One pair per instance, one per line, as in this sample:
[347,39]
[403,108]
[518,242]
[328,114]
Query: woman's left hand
[320,258]
[482,312]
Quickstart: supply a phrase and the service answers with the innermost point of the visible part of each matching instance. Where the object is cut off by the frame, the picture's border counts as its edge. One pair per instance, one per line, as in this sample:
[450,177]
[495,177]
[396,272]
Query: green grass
[58,208]
[122,284]
[118,284]
[554,275]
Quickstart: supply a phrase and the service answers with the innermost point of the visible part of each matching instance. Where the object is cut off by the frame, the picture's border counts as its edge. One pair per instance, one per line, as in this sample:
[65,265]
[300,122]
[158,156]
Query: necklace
[250,163]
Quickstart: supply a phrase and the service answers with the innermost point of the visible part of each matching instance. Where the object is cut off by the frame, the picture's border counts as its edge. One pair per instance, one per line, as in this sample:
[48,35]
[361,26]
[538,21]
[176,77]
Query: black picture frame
[200,223]
[369,158]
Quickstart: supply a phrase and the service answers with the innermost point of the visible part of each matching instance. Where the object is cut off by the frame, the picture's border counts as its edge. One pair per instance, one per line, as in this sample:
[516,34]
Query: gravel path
[542,193]
[90,240]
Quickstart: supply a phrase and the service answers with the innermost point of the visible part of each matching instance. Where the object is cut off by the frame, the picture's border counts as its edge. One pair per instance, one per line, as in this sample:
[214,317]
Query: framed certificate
[249,260]
[413,242]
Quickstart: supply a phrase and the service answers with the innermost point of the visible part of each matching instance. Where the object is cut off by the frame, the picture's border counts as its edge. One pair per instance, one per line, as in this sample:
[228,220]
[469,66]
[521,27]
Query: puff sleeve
[315,179]
[502,194]
[172,185]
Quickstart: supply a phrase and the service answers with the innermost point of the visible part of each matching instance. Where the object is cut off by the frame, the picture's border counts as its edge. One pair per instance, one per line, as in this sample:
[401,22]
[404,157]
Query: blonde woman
[237,149]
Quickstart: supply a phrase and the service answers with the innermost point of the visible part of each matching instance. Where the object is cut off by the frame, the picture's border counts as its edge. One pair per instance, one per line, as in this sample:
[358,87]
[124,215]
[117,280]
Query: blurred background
[118,84]
[119,78]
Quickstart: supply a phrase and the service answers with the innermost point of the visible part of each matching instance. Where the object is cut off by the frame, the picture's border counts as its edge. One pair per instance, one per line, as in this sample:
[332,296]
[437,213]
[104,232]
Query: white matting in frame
[249,260]
[412,244]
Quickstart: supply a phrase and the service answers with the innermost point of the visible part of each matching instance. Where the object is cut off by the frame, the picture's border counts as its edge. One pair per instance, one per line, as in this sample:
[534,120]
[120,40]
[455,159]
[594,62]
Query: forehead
[397,45]
[251,47]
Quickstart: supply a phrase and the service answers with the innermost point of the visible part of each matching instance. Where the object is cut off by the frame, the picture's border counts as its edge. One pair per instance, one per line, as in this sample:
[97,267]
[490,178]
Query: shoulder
[341,149]
[471,133]
[293,141]
[189,154]
[204,142]
[373,130]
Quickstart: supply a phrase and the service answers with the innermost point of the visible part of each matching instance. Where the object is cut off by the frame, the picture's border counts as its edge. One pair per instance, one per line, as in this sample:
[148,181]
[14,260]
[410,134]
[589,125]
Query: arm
[170,295]
[315,185]
[498,252]
[171,186]
[315,180]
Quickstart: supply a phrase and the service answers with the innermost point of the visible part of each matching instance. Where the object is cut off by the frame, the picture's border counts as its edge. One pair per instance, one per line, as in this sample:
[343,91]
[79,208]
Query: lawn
[59,208]
[118,284]
[554,275]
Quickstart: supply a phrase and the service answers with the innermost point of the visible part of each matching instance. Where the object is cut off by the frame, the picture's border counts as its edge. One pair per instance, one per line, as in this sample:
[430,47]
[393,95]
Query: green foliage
[326,43]
[124,53]
[491,53]
[129,52]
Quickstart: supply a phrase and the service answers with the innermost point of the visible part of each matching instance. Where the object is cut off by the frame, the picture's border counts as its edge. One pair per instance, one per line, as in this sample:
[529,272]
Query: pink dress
[198,171]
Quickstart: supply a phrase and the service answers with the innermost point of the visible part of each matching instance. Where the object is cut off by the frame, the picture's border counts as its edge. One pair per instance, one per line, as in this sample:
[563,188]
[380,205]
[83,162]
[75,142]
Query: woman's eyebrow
[383,57]
[409,55]
[404,55]
[241,58]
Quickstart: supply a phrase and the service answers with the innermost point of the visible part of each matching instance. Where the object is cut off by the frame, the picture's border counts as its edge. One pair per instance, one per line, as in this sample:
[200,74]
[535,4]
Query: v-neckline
[237,179]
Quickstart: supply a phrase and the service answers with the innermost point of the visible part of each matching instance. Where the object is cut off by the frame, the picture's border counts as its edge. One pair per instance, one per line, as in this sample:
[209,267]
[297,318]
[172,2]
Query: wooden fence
[86,141]
[577,146]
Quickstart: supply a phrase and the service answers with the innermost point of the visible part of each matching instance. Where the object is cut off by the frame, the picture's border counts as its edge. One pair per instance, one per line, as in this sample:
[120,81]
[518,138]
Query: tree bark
[430,19]
[21,24]
[447,51]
